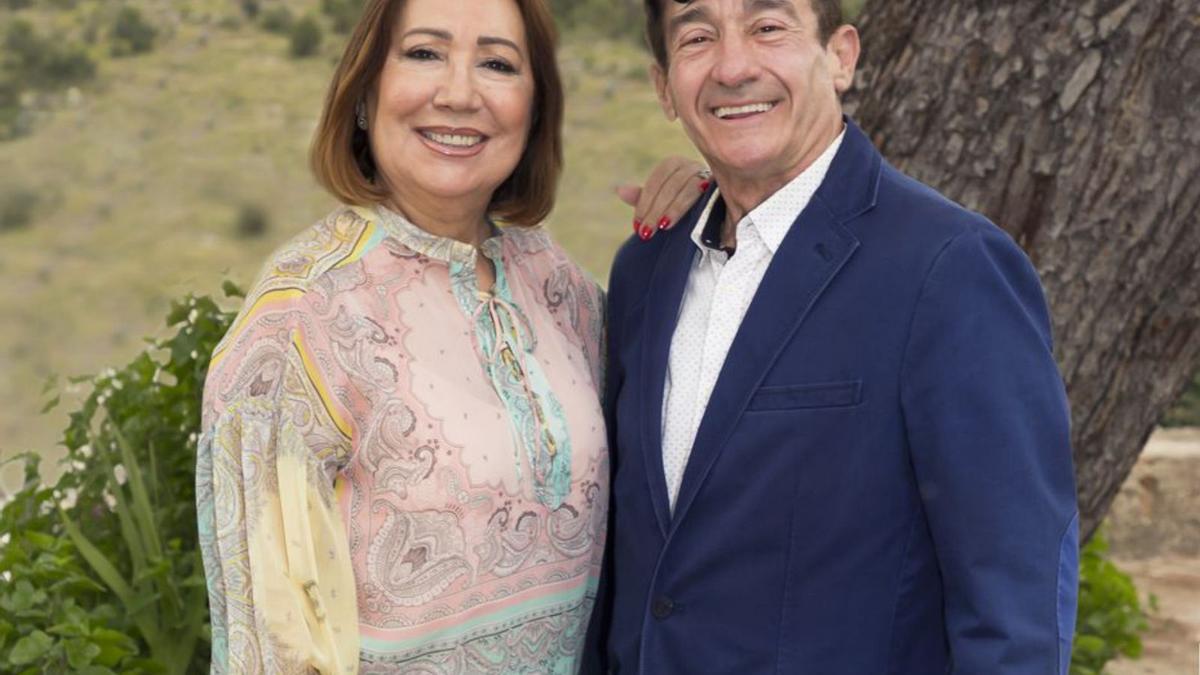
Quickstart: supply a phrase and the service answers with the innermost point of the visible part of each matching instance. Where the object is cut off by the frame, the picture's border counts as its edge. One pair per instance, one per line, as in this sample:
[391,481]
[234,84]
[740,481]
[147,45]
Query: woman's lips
[453,142]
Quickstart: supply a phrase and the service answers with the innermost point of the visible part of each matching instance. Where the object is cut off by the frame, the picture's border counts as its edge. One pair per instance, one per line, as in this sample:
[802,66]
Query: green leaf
[81,653]
[30,648]
[101,565]
[50,405]
[142,512]
[232,290]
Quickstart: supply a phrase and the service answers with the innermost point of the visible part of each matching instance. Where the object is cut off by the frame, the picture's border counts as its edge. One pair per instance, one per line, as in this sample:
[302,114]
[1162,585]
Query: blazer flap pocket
[799,396]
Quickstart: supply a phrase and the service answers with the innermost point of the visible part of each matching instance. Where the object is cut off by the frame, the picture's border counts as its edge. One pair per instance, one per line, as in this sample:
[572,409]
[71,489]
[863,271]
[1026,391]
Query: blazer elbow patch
[1068,592]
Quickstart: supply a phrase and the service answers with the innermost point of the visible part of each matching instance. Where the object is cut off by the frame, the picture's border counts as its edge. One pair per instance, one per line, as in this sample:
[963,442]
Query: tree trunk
[1074,126]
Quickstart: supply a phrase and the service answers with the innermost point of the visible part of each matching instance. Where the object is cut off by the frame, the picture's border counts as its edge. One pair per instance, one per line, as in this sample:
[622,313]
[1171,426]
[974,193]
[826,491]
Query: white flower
[194,314]
[192,437]
[116,383]
[195,355]
[78,465]
[119,473]
[68,500]
[110,500]
[4,538]
[6,576]
[85,450]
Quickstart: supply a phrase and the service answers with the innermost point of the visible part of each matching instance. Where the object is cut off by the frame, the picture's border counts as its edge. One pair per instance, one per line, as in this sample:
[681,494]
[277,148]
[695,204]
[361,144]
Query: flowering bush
[101,571]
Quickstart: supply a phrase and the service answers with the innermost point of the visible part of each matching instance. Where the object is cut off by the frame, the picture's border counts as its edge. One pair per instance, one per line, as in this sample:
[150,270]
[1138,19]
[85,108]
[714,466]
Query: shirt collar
[771,219]
[433,246]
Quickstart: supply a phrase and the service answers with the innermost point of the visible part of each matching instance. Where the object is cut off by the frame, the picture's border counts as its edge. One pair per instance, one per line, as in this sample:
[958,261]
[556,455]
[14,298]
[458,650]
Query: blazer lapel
[814,251]
[661,310]
[810,256]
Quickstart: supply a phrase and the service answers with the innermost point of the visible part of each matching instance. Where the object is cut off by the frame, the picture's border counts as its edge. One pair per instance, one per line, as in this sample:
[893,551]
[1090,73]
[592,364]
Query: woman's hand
[673,187]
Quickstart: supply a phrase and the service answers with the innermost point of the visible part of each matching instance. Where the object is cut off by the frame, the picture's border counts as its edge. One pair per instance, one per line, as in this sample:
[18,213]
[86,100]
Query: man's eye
[769,29]
[499,65]
[695,40]
[421,54]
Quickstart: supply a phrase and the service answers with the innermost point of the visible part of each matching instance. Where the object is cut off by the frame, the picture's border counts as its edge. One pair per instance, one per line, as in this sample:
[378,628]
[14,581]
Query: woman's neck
[463,219]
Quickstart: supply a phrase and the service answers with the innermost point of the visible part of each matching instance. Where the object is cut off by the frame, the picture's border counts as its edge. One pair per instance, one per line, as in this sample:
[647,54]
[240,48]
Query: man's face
[755,89]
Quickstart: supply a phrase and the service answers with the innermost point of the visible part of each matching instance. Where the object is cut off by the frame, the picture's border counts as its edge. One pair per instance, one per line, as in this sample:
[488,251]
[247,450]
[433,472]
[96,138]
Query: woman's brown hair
[341,153]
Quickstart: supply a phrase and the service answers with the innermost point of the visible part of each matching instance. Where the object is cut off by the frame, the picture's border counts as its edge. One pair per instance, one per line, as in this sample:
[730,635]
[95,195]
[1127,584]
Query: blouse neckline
[445,249]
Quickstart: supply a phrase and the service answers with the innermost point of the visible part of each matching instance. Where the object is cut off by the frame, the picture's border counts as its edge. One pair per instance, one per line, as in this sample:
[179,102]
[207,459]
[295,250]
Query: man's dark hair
[829,17]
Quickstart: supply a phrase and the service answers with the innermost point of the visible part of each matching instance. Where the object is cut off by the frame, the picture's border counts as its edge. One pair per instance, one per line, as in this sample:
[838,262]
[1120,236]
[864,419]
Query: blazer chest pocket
[804,396]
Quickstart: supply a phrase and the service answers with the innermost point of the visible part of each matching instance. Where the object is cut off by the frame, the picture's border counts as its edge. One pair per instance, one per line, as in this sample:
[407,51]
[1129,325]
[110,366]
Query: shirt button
[662,608]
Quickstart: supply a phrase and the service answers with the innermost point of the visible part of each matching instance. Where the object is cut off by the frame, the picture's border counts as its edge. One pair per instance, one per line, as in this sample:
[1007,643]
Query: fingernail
[704,185]
[637,225]
[664,222]
[645,233]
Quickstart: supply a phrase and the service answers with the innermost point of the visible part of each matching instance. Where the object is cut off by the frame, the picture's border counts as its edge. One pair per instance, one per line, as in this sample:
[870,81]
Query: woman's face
[451,113]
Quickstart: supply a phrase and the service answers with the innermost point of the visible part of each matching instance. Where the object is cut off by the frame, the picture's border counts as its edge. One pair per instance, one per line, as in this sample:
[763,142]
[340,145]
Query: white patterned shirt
[719,291]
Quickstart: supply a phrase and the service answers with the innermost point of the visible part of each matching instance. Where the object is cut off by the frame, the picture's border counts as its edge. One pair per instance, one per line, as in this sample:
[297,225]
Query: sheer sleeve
[280,581]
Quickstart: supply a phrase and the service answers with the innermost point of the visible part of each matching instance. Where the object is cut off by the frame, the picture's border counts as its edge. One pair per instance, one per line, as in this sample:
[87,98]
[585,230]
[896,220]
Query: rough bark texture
[1074,126]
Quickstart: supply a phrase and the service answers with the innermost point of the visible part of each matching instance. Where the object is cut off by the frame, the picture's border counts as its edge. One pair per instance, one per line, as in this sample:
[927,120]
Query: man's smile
[744,110]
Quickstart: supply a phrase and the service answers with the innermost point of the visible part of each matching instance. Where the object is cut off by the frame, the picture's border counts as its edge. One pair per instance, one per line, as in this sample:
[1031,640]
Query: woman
[403,465]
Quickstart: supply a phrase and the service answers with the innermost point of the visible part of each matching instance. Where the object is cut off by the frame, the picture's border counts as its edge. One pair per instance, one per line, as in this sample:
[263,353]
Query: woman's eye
[499,65]
[421,54]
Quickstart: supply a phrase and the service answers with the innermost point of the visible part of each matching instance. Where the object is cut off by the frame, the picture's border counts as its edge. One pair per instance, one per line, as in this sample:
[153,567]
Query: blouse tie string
[493,304]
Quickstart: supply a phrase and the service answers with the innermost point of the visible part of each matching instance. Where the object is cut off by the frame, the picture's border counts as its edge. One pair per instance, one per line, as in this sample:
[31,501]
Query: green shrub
[252,221]
[250,8]
[16,207]
[1186,411]
[306,37]
[102,570]
[1110,621]
[131,33]
[36,62]
[342,13]
[277,20]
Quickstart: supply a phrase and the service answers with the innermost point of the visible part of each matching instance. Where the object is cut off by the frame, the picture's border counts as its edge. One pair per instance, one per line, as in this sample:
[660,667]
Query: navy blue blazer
[882,480]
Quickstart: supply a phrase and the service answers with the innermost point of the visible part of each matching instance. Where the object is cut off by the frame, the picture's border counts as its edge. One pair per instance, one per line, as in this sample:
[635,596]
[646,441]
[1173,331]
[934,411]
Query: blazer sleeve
[280,581]
[595,657]
[988,427]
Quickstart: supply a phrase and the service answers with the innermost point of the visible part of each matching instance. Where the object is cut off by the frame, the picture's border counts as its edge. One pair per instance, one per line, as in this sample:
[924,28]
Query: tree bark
[1075,127]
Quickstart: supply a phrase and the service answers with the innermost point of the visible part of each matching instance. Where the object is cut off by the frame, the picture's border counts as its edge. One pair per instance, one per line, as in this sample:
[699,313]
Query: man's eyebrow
[701,14]
[689,15]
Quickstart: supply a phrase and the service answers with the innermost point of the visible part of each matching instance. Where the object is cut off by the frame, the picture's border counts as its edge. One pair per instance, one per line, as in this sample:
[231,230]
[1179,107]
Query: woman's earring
[360,111]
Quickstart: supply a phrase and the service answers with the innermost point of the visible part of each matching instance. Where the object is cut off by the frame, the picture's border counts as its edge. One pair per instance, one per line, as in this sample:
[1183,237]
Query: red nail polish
[637,225]
[664,223]
[645,233]
[704,185]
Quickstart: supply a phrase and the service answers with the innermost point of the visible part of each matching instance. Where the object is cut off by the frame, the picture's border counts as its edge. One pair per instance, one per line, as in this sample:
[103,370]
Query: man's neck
[743,193]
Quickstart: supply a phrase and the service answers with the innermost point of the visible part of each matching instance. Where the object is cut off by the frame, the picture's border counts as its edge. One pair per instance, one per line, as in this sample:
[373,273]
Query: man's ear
[664,96]
[843,50]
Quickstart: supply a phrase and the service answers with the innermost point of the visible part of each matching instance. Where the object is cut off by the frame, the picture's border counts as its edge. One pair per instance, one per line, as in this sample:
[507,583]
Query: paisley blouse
[399,472]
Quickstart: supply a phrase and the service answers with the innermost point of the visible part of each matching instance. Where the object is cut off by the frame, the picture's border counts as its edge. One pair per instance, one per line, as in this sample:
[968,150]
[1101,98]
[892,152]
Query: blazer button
[662,607]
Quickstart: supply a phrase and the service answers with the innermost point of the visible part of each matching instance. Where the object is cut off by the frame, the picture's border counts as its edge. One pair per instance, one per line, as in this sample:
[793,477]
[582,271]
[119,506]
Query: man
[840,440]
